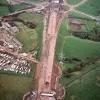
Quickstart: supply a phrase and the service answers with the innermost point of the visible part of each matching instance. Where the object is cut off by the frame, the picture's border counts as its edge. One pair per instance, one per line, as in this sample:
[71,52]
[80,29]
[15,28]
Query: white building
[8,27]
[55,1]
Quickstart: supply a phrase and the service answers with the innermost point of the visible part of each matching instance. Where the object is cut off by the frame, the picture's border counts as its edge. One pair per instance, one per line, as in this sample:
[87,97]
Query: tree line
[79,66]
[85,35]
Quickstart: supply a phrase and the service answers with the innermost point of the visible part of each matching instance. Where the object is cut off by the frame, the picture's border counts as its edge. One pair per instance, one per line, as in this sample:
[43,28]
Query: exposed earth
[60,45]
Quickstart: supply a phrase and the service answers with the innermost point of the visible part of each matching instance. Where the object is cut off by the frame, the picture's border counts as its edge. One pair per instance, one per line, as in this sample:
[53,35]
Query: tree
[66,74]
[78,68]
[69,70]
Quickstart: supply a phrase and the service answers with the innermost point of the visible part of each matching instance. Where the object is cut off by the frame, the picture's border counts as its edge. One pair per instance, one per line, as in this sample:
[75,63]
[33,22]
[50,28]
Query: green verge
[39,31]
[63,32]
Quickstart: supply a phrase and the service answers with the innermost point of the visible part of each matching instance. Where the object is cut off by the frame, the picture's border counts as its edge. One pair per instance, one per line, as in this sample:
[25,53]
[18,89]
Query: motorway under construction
[48,72]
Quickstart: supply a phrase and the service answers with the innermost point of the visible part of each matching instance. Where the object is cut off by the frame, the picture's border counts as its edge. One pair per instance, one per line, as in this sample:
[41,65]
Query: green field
[77,15]
[13,87]
[18,7]
[75,47]
[39,31]
[89,24]
[73,2]
[3,1]
[82,85]
[91,7]
[4,11]
[30,37]
[33,17]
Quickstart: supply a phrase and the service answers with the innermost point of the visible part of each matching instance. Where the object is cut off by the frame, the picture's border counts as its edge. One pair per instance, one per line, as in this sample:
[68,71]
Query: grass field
[4,11]
[77,15]
[28,37]
[83,85]
[73,2]
[75,47]
[13,87]
[90,7]
[18,7]
[33,17]
[3,1]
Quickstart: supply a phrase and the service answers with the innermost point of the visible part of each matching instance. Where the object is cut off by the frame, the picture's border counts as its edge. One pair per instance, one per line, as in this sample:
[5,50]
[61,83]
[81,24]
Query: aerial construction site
[49,49]
[48,72]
